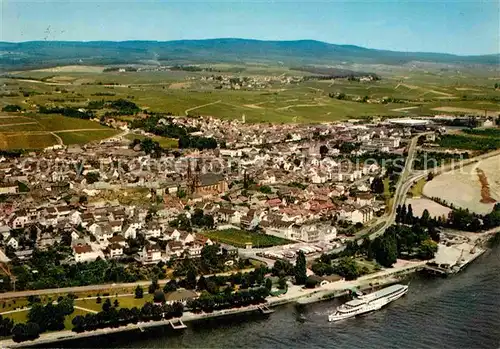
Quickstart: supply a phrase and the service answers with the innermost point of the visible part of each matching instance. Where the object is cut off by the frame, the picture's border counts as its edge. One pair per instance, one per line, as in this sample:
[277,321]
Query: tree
[210,258]
[282,268]
[191,278]
[139,292]
[202,284]
[159,297]
[265,189]
[427,249]
[409,215]
[323,150]
[377,185]
[79,323]
[282,283]
[348,268]
[92,177]
[153,286]
[12,108]
[385,249]
[170,286]
[424,220]
[300,269]
[269,284]
[106,305]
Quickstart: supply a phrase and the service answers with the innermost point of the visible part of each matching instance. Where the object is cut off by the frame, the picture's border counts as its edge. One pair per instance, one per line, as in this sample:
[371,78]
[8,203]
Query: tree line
[112,317]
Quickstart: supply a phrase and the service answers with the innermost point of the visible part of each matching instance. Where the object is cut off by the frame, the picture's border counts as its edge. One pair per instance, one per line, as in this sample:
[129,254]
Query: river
[462,311]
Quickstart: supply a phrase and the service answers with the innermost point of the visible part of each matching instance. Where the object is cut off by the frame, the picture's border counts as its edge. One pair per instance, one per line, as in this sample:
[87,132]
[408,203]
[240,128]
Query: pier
[264,309]
[177,324]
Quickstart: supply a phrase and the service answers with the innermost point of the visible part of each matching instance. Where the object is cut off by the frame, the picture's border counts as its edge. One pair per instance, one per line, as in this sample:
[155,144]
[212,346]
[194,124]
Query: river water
[461,311]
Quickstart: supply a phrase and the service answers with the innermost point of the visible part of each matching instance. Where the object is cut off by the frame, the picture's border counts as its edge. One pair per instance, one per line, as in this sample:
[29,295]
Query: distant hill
[32,54]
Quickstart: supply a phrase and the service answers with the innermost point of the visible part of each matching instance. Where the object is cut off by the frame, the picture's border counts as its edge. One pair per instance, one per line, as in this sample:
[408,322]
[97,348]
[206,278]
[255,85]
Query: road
[404,184]
[200,106]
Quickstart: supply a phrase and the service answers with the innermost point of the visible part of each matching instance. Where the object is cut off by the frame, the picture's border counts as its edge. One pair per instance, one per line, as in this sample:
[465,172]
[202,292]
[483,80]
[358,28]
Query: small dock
[177,324]
[264,309]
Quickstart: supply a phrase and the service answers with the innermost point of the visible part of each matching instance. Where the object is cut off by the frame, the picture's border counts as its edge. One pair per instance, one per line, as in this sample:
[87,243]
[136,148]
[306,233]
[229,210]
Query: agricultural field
[35,131]
[425,91]
[239,238]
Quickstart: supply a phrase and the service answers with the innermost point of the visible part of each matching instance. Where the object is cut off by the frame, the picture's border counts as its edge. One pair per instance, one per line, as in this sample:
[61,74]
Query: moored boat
[368,302]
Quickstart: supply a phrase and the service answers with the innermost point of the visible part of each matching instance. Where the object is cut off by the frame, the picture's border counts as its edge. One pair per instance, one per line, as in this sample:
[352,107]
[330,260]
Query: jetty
[177,324]
[264,309]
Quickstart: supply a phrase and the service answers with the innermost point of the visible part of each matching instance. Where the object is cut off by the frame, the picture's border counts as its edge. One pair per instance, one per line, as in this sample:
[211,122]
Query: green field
[469,142]
[425,90]
[239,238]
[125,302]
[417,188]
[23,141]
[35,131]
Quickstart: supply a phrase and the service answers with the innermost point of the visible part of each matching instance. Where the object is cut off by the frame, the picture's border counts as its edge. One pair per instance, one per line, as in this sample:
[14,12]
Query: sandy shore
[294,293]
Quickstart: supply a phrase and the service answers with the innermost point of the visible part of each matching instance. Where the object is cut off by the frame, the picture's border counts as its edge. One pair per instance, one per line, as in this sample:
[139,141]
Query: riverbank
[294,293]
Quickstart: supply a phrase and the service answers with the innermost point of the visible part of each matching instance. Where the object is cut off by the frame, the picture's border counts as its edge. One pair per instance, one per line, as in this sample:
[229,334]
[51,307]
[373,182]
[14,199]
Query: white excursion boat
[368,302]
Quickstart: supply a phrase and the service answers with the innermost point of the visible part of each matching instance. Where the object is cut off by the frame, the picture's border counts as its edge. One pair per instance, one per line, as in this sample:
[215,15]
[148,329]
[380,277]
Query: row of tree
[208,302]
[197,142]
[124,316]
[71,112]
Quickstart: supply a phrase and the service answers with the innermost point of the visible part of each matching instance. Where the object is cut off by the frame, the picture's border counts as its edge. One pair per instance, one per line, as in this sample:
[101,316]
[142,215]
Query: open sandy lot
[463,188]
[435,210]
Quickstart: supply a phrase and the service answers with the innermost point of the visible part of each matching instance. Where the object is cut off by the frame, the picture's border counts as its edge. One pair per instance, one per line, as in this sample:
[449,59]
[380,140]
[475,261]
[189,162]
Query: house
[5,231]
[45,241]
[13,242]
[115,250]
[19,220]
[118,239]
[116,226]
[364,199]
[152,230]
[129,231]
[355,215]
[174,249]
[181,295]
[75,218]
[103,233]
[84,253]
[9,189]
[151,254]
[185,237]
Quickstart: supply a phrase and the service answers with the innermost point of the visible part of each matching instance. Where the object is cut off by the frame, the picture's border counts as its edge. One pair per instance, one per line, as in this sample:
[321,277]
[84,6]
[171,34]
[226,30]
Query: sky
[451,26]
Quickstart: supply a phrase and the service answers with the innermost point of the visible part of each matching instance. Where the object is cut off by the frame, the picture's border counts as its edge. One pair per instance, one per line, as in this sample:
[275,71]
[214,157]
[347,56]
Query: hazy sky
[455,26]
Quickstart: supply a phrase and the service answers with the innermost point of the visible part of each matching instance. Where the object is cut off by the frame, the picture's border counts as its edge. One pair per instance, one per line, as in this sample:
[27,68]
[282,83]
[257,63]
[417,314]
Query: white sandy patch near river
[462,187]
